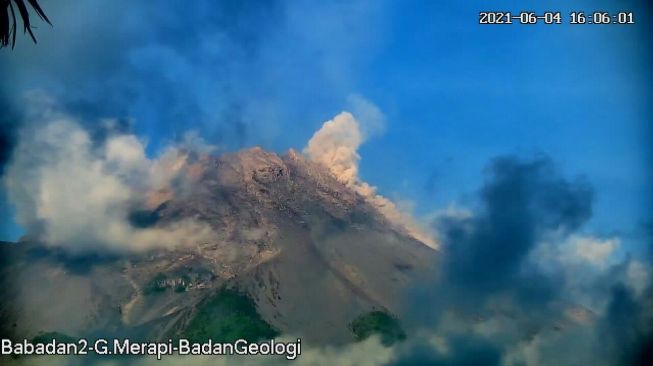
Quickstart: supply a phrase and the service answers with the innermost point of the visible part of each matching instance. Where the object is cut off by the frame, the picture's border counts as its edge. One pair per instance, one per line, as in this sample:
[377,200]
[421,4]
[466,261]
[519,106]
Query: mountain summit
[310,253]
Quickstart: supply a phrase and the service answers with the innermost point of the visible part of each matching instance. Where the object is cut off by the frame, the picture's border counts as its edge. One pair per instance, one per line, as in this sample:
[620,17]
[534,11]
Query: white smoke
[335,145]
[71,193]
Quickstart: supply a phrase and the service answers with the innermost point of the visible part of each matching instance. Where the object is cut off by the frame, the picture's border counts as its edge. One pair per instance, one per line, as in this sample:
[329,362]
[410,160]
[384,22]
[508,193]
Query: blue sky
[460,93]
[455,94]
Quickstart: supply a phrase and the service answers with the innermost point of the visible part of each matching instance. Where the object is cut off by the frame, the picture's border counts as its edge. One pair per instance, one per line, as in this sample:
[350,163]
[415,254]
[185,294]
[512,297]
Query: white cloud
[72,194]
[127,152]
[594,250]
[585,262]
[578,250]
[638,275]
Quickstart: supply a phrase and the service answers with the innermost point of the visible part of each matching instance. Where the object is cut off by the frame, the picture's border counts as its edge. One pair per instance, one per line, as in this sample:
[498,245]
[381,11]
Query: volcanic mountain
[308,252]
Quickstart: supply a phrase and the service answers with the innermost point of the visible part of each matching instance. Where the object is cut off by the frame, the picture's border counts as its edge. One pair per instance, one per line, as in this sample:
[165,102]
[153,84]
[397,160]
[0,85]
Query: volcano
[306,254]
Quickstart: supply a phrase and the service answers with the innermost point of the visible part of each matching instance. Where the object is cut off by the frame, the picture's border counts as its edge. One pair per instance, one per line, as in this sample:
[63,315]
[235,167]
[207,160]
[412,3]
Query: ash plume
[335,145]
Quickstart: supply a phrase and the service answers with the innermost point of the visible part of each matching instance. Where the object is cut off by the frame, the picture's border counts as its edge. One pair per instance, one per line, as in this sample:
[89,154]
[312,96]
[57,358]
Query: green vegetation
[227,317]
[46,337]
[378,322]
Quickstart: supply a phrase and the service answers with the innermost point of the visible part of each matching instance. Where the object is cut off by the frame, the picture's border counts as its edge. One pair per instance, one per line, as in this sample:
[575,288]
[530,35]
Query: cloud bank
[521,284]
[69,191]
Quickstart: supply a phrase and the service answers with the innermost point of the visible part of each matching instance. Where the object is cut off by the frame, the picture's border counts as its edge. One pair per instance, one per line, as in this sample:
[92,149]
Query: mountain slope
[309,251]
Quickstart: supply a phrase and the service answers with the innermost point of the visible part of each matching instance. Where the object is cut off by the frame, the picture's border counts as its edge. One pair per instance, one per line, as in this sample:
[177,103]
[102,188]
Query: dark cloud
[521,203]
[628,327]
[628,323]
[488,276]
[486,269]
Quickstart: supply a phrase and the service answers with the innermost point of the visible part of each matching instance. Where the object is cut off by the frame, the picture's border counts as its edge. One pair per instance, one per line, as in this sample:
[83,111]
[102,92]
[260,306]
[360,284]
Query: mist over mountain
[132,246]
[201,244]
[393,183]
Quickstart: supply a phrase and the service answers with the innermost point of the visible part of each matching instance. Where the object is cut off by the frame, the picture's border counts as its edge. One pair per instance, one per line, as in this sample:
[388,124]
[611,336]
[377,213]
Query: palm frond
[8,25]
[24,14]
[4,28]
[37,8]
[13,25]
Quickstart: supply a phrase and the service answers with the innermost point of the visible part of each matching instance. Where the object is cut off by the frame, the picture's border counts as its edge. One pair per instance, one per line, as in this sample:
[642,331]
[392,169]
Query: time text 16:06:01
[549,17]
